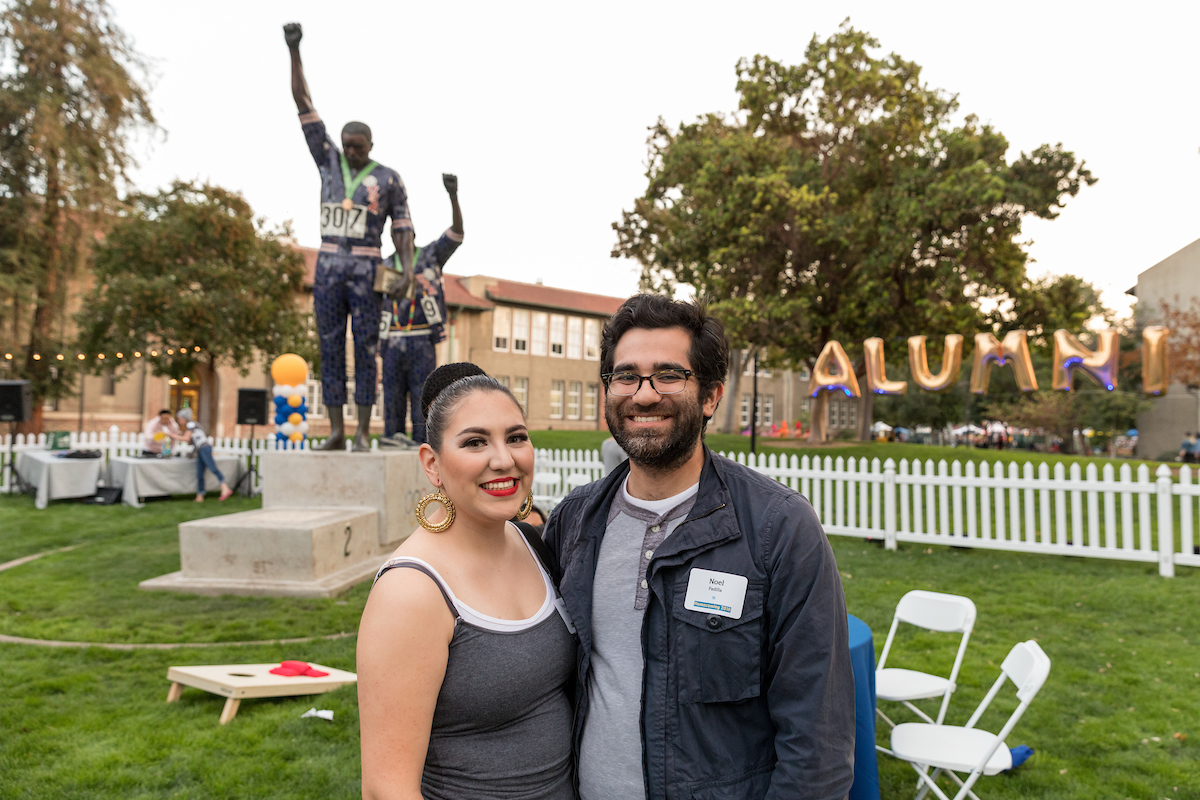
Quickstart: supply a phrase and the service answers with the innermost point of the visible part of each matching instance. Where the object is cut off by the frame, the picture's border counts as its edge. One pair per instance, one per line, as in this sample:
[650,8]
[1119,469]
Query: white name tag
[433,315]
[720,593]
[337,221]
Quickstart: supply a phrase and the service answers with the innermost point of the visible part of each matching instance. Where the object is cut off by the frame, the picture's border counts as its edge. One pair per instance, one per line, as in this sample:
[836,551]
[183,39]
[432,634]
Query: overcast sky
[542,110]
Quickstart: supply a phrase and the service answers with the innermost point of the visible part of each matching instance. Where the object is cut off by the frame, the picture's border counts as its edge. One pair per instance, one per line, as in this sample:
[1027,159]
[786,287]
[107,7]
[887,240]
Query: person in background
[611,455]
[1187,448]
[204,456]
[158,429]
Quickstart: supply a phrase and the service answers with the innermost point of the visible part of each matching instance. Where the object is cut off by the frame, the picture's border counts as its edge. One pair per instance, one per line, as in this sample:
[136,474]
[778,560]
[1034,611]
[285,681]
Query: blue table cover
[862,658]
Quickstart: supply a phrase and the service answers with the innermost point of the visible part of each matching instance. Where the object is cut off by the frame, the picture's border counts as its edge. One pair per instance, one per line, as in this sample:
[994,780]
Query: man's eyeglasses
[667,381]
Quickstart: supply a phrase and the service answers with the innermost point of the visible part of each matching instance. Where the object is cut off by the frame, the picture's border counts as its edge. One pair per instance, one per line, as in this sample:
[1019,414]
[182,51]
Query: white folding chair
[933,611]
[577,479]
[951,748]
[547,489]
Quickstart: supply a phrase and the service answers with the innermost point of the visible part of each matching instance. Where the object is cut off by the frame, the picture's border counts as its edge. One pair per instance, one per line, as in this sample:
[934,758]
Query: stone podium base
[390,482]
[294,552]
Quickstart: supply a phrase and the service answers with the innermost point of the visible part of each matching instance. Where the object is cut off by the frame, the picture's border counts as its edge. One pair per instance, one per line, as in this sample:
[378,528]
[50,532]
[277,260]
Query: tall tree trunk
[732,401]
[209,394]
[866,413]
[820,418]
[46,293]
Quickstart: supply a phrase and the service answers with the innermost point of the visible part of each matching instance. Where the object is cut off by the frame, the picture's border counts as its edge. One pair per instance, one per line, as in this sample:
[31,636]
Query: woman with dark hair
[465,652]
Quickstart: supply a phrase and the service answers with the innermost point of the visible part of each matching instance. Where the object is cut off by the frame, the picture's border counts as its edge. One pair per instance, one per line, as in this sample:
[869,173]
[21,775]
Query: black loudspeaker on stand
[16,405]
[252,409]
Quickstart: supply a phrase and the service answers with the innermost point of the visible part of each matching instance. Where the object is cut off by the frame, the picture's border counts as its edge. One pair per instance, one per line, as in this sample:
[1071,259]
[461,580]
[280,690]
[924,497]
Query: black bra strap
[432,577]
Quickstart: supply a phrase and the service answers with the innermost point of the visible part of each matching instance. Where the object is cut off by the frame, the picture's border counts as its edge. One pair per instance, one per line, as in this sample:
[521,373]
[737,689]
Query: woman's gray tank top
[503,720]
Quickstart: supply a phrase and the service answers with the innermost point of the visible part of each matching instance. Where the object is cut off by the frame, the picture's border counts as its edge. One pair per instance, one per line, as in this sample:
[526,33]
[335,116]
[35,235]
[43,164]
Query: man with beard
[713,658]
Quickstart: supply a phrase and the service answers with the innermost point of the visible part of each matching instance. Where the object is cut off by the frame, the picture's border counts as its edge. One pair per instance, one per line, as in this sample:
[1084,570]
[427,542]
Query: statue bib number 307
[337,220]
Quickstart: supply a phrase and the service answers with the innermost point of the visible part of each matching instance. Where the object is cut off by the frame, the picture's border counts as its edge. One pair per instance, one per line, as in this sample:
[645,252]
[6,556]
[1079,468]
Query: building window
[520,390]
[804,403]
[558,334]
[591,401]
[501,328]
[591,340]
[748,366]
[520,331]
[316,407]
[764,411]
[556,399]
[573,398]
[502,380]
[540,325]
[852,413]
[574,337]
[804,374]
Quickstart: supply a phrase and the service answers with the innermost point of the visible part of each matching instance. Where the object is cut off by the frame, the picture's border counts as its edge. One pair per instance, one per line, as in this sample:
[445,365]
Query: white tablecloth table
[58,478]
[153,477]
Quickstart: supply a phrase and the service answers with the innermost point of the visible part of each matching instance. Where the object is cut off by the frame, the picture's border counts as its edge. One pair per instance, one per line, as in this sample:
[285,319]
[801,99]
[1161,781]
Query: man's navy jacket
[756,707]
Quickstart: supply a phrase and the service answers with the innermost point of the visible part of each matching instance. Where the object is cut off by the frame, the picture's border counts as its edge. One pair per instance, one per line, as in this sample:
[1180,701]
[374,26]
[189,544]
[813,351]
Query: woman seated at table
[463,657]
[158,430]
[204,454]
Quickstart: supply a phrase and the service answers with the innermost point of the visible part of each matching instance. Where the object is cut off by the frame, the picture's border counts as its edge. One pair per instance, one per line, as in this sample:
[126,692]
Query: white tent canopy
[880,426]
[959,431]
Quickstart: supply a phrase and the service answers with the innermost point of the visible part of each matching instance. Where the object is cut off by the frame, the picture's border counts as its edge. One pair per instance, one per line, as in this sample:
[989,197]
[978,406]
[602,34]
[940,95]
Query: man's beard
[659,452]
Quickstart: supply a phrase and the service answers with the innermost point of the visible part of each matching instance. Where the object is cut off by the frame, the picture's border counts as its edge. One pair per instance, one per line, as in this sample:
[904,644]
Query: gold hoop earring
[527,507]
[437,497]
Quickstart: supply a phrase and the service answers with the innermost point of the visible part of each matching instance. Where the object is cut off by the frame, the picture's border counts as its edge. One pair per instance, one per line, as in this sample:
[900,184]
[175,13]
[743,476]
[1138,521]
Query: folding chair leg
[919,712]
[922,788]
[966,787]
[884,717]
[928,784]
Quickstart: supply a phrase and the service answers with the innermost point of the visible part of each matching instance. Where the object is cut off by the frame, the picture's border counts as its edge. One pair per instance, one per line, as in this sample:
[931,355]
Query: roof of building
[535,294]
[457,294]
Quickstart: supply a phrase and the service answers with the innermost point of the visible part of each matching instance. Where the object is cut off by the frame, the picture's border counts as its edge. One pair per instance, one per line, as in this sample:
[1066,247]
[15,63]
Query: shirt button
[645,585]
[654,528]
[714,621]
[649,554]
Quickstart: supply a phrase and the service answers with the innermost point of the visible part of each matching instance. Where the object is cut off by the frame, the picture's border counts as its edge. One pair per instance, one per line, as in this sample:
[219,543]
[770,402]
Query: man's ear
[709,406]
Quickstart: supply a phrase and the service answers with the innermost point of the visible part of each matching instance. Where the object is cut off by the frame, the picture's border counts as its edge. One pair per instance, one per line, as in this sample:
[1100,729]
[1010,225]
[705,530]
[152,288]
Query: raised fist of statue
[450,182]
[292,33]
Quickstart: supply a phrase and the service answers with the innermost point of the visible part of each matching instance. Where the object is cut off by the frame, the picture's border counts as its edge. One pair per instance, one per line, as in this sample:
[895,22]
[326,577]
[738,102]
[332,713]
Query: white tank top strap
[470,615]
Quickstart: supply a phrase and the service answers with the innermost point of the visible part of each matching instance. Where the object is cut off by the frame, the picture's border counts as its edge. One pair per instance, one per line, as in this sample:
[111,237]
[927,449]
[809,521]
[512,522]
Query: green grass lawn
[1116,719]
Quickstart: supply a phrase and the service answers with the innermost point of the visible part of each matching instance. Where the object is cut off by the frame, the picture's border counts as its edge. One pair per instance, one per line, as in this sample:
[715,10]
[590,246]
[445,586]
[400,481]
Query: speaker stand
[15,482]
[250,470]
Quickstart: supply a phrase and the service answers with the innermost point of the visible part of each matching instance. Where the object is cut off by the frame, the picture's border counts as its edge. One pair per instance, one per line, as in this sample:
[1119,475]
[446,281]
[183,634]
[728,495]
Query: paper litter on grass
[323,713]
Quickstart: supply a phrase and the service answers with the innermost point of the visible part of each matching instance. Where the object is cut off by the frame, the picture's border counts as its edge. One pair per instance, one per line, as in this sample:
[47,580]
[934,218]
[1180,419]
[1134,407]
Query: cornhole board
[236,682]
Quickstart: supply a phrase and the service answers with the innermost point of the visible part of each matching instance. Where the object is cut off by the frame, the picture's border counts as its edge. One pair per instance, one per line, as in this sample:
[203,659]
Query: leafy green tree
[192,270]
[71,98]
[840,202]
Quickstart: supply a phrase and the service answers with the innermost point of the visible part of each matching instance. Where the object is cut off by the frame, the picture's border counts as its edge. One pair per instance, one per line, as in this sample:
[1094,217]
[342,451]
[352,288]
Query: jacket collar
[712,520]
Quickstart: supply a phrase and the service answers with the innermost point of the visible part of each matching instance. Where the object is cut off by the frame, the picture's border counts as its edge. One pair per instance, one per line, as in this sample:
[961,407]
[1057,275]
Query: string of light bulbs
[10,354]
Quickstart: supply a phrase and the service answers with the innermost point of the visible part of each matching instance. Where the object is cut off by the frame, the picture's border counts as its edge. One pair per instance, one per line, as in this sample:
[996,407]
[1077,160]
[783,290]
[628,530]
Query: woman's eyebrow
[479,431]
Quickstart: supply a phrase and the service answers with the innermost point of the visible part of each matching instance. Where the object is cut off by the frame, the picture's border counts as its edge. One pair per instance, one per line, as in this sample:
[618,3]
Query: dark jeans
[205,460]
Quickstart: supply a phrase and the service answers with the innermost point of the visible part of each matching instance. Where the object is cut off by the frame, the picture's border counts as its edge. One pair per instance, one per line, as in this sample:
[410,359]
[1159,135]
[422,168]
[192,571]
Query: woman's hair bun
[442,377]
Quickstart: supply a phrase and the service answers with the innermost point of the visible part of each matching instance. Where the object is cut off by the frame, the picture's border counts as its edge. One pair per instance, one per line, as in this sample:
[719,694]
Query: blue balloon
[303,409]
[280,418]
[280,401]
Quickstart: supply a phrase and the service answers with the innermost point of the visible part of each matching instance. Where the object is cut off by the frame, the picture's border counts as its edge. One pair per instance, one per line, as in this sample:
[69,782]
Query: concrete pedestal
[328,521]
[391,483]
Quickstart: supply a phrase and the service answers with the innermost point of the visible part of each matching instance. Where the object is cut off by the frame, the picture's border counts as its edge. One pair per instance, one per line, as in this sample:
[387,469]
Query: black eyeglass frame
[608,376]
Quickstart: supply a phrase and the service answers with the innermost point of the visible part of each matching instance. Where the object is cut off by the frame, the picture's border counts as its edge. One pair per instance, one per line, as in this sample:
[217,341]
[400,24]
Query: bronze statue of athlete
[357,196]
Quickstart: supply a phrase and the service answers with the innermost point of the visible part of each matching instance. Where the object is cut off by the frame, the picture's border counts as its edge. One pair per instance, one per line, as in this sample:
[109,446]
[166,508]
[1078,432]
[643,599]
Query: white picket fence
[1074,511]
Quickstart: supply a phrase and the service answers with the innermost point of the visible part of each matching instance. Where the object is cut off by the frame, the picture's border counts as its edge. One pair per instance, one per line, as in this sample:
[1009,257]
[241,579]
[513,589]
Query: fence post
[1166,522]
[889,504]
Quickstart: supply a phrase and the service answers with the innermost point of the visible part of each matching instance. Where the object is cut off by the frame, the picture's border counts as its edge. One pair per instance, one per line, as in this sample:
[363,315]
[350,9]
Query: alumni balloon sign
[833,371]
